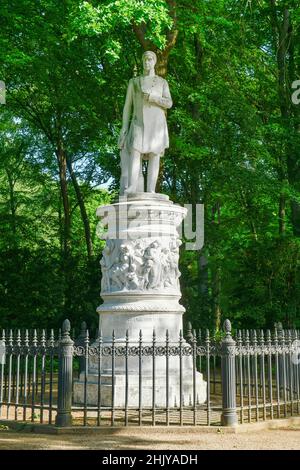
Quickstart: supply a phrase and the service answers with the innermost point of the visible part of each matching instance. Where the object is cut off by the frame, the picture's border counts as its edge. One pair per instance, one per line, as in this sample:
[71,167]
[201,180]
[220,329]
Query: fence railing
[245,377]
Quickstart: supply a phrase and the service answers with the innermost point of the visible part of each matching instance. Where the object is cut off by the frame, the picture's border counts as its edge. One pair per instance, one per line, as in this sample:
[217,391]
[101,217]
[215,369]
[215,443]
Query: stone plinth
[141,292]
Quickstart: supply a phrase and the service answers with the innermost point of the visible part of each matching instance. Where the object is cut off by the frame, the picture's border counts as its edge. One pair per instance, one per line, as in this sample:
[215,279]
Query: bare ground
[158,440]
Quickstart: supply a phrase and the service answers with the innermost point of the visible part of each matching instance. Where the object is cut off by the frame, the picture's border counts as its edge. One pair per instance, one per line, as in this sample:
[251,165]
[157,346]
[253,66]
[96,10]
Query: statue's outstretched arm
[164,101]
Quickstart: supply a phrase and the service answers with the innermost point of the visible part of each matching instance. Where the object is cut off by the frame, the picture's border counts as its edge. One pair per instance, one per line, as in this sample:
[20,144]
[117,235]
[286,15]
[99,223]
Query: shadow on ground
[125,440]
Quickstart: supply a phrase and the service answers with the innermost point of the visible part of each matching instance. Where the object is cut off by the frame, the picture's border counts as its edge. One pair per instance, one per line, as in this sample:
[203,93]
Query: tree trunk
[13,209]
[216,276]
[62,165]
[161,67]
[281,32]
[281,214]
[84,216]
[293,156]
[216,291]
[295,208]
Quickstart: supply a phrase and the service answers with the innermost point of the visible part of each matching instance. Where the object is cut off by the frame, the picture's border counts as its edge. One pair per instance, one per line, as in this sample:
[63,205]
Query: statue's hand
[122,137]
[146,96]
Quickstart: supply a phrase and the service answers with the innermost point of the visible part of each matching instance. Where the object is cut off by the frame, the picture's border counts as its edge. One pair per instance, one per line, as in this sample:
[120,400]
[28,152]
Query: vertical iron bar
[194,377]
[277,372]
[43,374]
[180,379]
[21,370]
[240,356]
[297,378]
[86,371]
[199,342]
[140,378]
[255,375]
[153,377]
[291,372]
[167,380]
[284,373]
[214,373]
[2,373]
[81,342]
[34,345]
[262,374]
[207,342]
[18,353]
[51,347]
[126,376]
[248,375]
[10,344]
[26,353]
[113,358]
[5,369]
[29,362]
[13,375]
[270,372]
[99,378]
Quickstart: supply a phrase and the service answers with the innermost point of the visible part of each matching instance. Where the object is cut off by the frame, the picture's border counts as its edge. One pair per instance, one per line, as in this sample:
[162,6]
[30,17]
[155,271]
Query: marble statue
[144,134]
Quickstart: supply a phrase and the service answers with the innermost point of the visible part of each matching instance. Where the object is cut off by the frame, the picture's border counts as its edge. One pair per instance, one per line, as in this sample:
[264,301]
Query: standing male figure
[144,133]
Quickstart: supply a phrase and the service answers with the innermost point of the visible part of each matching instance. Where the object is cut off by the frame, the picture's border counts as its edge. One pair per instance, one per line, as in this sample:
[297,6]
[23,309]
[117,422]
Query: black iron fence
[197,380]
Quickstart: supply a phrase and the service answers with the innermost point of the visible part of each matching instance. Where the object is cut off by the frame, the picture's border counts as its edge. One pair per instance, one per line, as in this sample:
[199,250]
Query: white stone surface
[144,133]
[141,292]
[147,384]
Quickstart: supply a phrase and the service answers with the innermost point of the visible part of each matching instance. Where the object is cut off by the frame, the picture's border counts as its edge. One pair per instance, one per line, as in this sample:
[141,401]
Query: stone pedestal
[141,292]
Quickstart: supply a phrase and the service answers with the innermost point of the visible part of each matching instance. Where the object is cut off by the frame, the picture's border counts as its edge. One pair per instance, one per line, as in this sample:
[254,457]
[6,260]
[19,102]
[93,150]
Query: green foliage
[234,146]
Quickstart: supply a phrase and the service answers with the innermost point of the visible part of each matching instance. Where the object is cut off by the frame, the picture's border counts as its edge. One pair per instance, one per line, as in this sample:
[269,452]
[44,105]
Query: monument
[140,275]
[144,134]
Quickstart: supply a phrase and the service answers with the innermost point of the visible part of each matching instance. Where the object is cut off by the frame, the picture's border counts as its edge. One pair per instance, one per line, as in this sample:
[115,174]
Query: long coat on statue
[145,120]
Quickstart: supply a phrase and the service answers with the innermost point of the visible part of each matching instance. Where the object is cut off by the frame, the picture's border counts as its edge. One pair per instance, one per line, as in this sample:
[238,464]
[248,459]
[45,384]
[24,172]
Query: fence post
[229,416]
[65,369]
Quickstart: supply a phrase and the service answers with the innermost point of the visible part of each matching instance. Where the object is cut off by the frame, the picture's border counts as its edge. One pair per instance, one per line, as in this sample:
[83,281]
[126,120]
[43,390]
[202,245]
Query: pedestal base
[147,391]
[141,292]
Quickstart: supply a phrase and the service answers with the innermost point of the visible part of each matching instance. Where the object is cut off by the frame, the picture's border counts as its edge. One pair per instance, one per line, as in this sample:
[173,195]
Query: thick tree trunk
[162,62]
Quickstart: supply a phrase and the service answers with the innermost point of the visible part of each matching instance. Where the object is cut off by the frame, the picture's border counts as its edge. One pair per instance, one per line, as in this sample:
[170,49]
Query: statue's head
[149,60]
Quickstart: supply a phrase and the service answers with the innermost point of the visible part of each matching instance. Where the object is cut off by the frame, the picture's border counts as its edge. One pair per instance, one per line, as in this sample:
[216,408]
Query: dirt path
[127,440]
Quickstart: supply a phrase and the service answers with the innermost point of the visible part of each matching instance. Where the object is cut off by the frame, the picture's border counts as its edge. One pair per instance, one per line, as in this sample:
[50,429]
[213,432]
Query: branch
[140,31]
[35,117]
[173,32]
[274,17]
[171,35]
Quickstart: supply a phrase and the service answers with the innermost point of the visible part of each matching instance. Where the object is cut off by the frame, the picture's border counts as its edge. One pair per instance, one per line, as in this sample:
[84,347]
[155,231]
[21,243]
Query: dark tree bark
[84,216]
[62,166]
[216,276]
[283,42]
[12,204]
